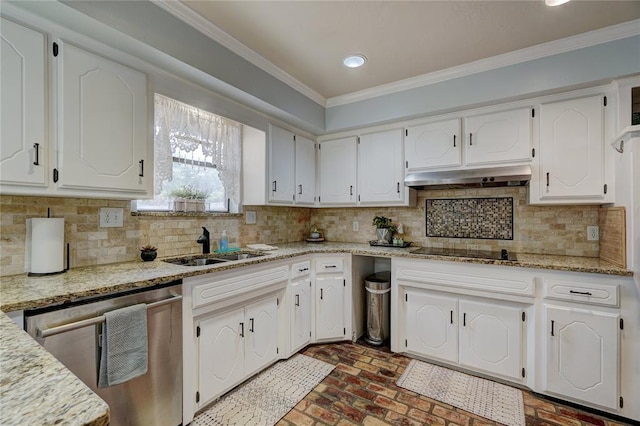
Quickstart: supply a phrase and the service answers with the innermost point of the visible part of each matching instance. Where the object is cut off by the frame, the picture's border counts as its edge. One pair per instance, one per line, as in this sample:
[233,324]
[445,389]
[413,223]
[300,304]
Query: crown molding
[591,38]
[188,16]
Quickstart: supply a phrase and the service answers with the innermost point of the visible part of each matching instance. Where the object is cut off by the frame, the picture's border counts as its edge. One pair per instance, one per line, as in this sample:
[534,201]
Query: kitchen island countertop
[35,388]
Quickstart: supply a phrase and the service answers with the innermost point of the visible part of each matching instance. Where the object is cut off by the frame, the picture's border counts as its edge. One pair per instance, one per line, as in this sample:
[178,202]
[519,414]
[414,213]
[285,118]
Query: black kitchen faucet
[204,240]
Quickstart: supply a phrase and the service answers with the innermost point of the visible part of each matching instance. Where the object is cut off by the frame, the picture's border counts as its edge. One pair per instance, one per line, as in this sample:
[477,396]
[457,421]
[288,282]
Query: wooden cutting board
[613,247]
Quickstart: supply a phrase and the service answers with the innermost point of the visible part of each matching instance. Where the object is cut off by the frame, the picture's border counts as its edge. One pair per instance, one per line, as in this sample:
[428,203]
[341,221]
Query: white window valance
[183,128]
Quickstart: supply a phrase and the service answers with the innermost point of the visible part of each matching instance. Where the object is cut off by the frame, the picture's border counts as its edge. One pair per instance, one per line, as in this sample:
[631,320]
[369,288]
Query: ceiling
[401,39]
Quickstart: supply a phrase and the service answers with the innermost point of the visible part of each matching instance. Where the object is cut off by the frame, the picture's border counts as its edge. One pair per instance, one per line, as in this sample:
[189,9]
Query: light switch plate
[111,217]
[250,217]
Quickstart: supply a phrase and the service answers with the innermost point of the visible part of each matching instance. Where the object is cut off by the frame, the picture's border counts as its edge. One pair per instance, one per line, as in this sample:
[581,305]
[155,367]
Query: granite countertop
[36,389]
[21,292]
[31,379]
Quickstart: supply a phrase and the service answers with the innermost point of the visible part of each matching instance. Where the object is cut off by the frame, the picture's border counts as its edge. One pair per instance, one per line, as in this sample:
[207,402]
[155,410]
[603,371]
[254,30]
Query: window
[197,160]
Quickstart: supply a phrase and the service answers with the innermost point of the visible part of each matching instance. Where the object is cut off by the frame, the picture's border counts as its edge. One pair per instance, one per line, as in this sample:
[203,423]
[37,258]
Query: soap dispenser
[224,242]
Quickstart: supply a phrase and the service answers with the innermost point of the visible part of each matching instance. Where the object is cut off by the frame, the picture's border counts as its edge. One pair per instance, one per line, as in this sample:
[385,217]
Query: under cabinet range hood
[474,178]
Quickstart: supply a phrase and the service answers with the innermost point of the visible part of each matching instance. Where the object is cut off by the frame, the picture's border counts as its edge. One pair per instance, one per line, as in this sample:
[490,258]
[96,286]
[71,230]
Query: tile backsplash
[478,218]
[557,230]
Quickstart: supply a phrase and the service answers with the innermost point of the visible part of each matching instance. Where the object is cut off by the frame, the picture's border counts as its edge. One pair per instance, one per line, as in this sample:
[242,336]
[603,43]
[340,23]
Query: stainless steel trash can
[378,286]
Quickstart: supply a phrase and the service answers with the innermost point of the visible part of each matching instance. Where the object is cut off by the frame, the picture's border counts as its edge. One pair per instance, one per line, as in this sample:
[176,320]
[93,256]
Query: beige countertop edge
[35,388]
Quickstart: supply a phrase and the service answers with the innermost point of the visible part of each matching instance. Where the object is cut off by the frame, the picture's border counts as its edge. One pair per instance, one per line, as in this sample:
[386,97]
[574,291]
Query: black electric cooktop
[474,254]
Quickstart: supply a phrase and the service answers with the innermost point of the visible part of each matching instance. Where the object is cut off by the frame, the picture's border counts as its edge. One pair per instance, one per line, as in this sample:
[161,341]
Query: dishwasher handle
[43,333]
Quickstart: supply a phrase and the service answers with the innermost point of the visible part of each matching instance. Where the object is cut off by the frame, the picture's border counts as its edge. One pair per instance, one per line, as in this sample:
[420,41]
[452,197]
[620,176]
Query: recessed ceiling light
[354,61]
[555,2]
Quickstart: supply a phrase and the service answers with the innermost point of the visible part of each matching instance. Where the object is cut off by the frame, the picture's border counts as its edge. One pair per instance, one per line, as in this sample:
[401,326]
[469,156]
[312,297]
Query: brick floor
[361,390]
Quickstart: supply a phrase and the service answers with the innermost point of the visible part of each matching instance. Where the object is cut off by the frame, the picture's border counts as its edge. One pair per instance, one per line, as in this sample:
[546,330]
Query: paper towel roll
[46,245]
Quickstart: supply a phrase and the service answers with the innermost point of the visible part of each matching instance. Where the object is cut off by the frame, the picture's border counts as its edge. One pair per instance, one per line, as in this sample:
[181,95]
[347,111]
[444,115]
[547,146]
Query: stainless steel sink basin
[210,259]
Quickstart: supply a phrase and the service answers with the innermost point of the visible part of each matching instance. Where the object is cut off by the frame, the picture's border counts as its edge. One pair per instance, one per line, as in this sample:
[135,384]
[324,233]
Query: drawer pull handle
[320,294]
[454,141]
[464,319]
[552,323]
[470,139]
[274,186]
[303,269]
[252,329]
[547,178]
[241,329]
[350,189]
[330,266]
[584,293]
[451,317]
[141,163]
[297,300]
[300,189]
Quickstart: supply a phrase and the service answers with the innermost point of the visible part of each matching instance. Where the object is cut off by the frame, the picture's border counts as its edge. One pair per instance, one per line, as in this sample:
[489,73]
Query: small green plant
[188,192]
[381,222]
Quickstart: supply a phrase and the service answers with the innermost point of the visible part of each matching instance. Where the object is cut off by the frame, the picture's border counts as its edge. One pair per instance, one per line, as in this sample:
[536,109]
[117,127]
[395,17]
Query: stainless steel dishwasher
[71,333]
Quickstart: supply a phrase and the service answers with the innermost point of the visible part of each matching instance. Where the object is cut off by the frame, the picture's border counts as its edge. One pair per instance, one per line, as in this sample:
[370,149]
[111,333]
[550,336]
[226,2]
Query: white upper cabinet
[433,145]
[380,171]
[103,124]
[499,137]
[572,150]
[281,165]
[337,159]
[24,146]
[292,168]
[305,171]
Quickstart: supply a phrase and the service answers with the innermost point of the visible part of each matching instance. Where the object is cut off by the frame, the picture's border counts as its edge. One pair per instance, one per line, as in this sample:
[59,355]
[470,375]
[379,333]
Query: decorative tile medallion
[480,218]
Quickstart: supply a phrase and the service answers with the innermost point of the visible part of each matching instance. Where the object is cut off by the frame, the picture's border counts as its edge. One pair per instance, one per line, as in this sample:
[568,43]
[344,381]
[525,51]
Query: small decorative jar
[148,253]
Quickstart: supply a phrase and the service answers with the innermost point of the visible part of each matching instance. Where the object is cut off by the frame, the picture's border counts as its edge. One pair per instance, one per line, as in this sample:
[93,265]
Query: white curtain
[178,125]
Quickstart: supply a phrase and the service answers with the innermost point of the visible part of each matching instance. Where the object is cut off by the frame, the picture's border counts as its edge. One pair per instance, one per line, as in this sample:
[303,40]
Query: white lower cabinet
[491,337]
[330,305]
[432,324]
[582,354]
[235,345]
[479,335]
[300,291]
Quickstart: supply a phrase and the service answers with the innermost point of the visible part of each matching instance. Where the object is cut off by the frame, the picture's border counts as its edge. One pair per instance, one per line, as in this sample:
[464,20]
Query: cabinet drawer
[301,269]
[587,293]
[238,285]
[329,265]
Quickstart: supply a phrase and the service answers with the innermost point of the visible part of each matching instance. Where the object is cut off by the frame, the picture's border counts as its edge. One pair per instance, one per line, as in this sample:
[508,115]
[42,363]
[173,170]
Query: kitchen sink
[211,259]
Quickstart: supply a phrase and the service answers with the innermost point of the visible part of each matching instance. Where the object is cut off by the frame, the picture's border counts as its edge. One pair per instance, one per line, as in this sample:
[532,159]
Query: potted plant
[384,228]
[188,199]
[148,252]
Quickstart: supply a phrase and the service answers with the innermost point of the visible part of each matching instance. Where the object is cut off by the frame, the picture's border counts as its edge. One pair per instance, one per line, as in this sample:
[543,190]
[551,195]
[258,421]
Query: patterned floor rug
[485,398]
[269,396]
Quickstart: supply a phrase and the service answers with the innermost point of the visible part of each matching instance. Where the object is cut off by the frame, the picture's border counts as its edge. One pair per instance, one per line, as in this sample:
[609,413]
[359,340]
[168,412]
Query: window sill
[184,214]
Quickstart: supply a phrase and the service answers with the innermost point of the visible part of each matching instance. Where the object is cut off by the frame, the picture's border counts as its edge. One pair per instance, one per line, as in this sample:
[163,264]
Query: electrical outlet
[250,217]
[111,217]
[593,233]
[356,226]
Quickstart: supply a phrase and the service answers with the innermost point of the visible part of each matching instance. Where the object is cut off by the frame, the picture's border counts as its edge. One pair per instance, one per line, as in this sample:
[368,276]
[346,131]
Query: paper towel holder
[45,274]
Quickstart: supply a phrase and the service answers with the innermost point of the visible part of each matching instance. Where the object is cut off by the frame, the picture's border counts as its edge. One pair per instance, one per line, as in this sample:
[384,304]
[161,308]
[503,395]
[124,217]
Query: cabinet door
[380,168]
[261,334]
[24,149]
[281,165]
[337,160]
[330,323]
[498,137]
[102,124]
[433,145]
[301,314]
[305,170]
[221,354]
[491,338]
[431,325]
[571,144]
[582,355]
